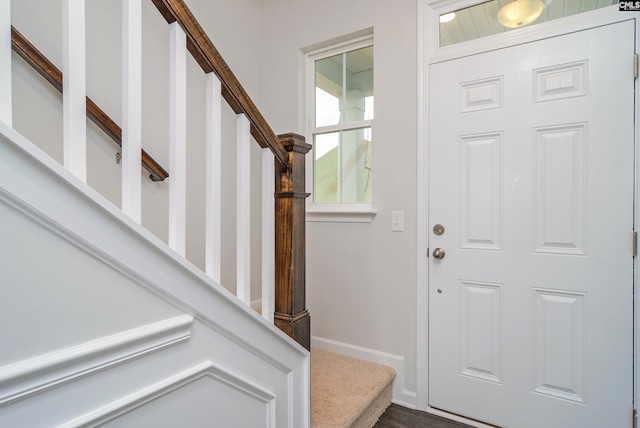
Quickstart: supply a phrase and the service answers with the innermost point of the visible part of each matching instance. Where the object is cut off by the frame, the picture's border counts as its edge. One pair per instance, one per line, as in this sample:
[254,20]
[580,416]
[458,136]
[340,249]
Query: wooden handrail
[53,75]
[205,54]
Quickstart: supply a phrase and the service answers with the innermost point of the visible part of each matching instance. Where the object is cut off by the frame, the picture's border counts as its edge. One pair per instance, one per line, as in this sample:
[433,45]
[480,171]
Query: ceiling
[480,20]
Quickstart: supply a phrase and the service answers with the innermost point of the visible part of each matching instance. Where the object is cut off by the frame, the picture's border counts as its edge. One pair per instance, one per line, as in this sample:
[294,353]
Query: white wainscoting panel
[206,394]
[115,324]
[30,376]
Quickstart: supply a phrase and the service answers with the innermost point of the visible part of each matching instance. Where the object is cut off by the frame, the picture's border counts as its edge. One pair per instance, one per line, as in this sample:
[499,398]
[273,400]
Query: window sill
[341,213]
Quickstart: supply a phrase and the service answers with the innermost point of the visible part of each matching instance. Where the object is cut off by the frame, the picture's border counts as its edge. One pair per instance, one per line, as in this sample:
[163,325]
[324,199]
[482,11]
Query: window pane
[359,83]
[325,155]
[342,166]
[355,161]
[498,16]
[329,90]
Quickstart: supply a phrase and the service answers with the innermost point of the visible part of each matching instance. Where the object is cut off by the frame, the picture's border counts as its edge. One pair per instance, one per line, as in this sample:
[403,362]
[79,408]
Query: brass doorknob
[438,253]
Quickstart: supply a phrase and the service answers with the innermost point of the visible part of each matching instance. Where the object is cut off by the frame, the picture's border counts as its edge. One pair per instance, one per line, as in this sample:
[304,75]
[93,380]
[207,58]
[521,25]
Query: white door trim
[429,52]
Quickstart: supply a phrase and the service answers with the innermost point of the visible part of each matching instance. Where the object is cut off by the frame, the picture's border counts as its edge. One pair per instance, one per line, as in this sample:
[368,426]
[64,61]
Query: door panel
[531,174]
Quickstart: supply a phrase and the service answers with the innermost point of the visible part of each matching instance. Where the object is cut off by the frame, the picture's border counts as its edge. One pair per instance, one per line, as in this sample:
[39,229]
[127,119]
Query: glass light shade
[447,17]
[519,13]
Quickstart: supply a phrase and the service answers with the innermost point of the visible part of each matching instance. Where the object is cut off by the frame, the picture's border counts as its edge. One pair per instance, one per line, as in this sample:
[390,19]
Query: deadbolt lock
[438,229]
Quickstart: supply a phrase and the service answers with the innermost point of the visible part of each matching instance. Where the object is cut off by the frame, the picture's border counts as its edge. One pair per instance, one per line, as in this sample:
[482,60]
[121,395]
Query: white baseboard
[401,396]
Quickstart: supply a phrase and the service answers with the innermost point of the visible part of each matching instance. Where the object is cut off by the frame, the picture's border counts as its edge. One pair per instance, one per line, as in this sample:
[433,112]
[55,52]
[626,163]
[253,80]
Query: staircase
[105,322]
[347,392]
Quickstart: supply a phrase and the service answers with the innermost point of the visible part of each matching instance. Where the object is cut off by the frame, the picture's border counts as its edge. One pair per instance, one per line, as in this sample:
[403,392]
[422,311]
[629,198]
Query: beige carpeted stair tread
[346,392]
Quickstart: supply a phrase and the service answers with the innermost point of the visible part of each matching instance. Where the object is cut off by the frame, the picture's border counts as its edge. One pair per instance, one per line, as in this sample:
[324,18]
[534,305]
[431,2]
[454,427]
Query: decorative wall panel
[482,94]
[560,184]
[204,395]
[560,344]
[561,81]
[481,193]
[481,330]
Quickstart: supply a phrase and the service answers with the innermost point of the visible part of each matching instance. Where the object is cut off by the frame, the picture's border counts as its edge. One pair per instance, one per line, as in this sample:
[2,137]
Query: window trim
[340,211]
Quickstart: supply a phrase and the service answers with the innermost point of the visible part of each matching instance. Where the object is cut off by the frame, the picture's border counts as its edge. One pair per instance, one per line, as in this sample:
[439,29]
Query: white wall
[38,108]
[361,278]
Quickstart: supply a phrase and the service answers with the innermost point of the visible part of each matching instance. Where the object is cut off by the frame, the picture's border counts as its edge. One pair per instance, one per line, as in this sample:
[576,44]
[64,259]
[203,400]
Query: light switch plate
[397,221]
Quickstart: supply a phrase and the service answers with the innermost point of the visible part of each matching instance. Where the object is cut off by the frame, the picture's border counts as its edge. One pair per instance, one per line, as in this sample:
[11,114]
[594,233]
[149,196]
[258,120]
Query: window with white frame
[340,121]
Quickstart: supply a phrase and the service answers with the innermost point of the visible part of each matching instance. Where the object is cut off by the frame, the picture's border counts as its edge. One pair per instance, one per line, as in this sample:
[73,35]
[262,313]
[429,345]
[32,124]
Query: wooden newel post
[291,315]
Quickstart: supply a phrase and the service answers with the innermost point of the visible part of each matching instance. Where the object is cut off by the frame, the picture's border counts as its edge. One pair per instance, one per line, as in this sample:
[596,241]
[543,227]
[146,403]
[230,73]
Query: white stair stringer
[101,323]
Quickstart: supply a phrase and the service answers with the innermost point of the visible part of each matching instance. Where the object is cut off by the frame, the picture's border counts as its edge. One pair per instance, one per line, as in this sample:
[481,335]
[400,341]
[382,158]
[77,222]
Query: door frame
[429,52]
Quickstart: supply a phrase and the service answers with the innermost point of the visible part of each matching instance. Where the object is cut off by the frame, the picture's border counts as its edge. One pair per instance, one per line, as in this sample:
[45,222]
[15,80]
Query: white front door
[531,177]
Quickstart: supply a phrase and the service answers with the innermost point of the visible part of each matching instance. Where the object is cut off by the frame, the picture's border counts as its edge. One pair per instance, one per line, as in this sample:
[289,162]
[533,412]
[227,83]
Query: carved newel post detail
[291,315]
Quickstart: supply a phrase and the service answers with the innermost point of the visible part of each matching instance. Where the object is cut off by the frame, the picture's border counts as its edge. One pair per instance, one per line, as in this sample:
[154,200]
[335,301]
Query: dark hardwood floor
[401,417]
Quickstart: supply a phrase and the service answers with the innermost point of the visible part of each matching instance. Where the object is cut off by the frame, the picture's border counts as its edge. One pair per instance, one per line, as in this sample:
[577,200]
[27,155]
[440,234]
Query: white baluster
[268,235]
[177,138]
[131,108]
[243,213]
[213,177]
[5,62]
[74,84]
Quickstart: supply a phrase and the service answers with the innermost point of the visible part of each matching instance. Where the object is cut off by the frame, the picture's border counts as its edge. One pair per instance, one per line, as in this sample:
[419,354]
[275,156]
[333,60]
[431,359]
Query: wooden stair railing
[40,63]
[287,164]
[209,59]
[289,150]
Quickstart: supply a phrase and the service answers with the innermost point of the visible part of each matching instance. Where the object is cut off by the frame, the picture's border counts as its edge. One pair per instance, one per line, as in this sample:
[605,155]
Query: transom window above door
[499,16]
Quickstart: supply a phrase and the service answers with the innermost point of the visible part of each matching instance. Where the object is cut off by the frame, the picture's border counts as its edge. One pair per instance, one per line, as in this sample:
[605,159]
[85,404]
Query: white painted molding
[6,107]
[636,299]
[46,371]
[166,386]
[401,395]
[341,213]
[422,211]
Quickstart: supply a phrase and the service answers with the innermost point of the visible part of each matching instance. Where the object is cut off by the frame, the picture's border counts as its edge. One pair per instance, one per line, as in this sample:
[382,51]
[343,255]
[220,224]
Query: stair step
[347,392]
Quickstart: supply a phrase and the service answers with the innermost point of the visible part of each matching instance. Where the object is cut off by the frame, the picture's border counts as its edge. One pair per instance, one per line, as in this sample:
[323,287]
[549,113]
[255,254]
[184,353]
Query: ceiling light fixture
[447,17]
[519,13]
